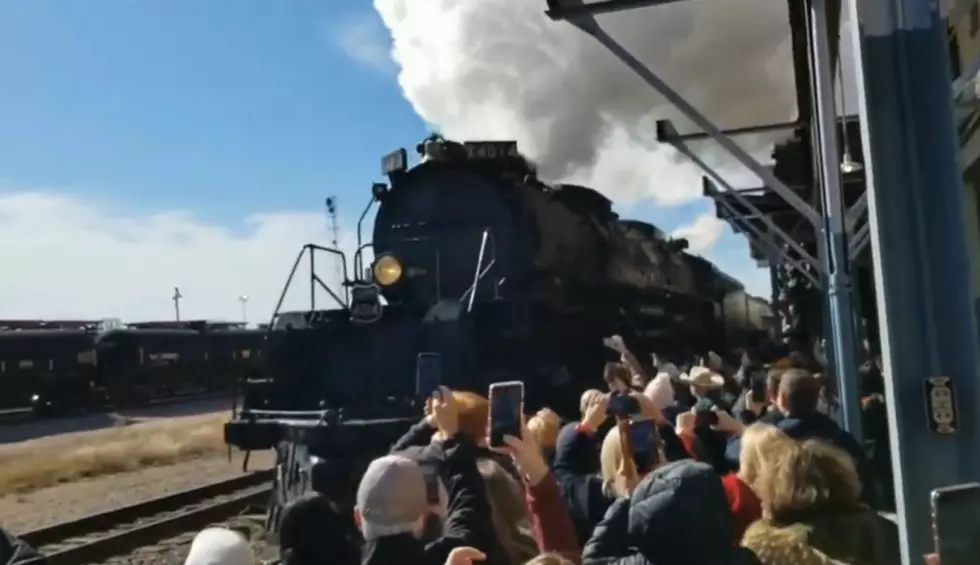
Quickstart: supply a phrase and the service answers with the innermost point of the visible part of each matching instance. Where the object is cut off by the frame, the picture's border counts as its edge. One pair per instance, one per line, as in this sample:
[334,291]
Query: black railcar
[504,277]
[46,370]
[151,360]
[55,367]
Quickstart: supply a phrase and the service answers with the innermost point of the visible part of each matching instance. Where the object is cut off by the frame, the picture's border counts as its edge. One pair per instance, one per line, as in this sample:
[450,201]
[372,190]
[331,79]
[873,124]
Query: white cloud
[365,40]
[702,233]
[65,256]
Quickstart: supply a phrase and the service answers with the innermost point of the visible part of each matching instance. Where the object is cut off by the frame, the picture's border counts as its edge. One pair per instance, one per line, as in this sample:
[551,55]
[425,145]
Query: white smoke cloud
[69,257]
[500,69]
[702,233]
[365,41]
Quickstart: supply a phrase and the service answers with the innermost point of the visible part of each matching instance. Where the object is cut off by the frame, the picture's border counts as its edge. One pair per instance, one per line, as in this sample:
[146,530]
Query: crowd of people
[700,466]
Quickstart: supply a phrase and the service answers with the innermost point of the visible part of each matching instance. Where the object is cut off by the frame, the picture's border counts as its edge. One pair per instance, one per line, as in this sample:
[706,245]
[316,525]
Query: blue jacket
[678,515]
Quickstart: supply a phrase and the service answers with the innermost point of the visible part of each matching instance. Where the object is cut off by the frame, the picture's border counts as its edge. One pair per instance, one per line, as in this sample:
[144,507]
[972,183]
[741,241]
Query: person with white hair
[219,546]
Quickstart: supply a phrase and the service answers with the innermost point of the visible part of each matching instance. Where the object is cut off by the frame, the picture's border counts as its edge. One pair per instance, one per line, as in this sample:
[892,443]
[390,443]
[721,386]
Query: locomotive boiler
[473,221]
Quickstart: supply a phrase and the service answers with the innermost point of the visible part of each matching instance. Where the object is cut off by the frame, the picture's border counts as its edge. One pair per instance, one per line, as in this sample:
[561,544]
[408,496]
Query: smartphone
[506,407]
[428,374]
[706,419]
[956,523]
[758,389]
[622,404]
[642,435]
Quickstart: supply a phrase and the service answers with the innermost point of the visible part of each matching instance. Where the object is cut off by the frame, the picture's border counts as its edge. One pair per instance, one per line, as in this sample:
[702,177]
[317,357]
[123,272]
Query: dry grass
[44,462]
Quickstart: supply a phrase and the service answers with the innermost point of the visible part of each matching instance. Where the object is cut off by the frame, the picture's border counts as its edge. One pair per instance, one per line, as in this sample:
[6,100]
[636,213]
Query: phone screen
[956,523]
[506,405]
[758,389]
[428,373]
[642,435]
[622,404]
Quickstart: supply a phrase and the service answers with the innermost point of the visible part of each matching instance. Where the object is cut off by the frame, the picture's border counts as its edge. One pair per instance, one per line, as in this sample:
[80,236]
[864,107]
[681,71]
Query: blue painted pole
[915,202]
[838,257]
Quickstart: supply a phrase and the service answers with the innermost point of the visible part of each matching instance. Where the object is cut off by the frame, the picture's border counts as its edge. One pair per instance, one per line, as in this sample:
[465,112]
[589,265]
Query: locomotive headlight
[387,270]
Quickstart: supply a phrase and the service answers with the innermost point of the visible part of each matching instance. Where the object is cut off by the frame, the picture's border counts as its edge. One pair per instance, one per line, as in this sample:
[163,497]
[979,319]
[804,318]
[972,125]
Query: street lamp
[244,300]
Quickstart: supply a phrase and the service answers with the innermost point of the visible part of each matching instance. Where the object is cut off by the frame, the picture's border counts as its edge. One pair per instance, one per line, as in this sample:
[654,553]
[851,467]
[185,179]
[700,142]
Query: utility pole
[334,228]
[176,298]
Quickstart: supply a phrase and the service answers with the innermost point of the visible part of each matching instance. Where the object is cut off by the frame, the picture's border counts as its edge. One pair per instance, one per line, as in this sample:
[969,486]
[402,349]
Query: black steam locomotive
[497,276]
[55,367]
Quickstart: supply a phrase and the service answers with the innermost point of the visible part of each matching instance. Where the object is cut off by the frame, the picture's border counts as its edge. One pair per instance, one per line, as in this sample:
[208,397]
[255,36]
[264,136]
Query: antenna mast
[334,228]
[176,298]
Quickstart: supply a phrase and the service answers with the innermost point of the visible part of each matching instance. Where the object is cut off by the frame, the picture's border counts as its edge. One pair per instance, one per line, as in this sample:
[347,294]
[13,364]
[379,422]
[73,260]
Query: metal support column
[915,204]
[838,259]
[826,319]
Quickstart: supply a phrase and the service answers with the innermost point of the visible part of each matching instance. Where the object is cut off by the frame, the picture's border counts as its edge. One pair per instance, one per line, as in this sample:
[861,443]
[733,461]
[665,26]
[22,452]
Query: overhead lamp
[847,165]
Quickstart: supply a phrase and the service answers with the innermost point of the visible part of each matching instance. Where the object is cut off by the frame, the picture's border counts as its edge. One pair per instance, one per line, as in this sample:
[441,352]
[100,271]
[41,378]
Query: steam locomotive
[56,367]
[496,274]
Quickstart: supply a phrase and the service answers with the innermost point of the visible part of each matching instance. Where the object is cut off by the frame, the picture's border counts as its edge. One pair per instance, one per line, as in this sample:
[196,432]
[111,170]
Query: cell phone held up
[622,405]
[758,390]
[428,374]
[956,523]
[506,408]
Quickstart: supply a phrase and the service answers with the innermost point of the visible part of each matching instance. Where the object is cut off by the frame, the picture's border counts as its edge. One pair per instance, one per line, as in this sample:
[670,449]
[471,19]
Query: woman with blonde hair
[812,511]
[761,446]
[622,471]
[544,427]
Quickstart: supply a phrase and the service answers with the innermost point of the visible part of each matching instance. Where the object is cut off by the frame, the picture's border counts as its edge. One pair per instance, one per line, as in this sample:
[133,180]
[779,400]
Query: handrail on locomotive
[377,190]
[481,271]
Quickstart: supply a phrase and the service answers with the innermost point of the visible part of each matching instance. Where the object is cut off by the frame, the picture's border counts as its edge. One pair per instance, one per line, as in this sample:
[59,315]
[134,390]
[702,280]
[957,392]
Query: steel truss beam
[582,16]
[667,129]
[775,251]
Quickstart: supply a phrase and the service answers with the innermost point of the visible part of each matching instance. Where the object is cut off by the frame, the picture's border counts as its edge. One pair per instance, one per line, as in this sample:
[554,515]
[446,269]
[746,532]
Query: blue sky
[223,107]
[193,129]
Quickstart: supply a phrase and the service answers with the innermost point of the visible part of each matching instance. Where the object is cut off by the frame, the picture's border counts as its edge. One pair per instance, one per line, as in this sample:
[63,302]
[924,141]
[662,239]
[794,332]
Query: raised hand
[527,457]
[445,413]
[596,412]
[465,556]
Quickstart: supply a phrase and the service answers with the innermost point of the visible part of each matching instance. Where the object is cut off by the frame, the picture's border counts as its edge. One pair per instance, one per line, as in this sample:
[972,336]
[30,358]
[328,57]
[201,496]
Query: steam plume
[500,69]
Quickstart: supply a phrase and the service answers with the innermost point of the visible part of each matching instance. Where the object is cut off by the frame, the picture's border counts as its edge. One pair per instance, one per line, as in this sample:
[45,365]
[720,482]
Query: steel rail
[98,537]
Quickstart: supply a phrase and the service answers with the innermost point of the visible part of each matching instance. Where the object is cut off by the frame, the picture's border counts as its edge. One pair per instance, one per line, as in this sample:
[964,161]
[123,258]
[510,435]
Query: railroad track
[26,414]
[99,537]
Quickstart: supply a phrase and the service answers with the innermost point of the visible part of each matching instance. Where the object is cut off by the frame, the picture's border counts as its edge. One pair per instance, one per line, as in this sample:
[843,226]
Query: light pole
[244,300]
[176,298]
